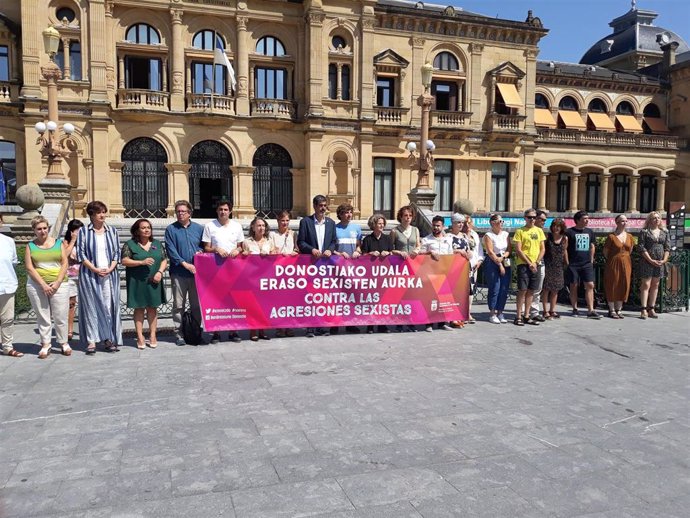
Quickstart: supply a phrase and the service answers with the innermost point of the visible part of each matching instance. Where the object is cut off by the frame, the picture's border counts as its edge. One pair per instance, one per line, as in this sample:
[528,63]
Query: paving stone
[396,510]
[488,503]
[230,475]
[488,472]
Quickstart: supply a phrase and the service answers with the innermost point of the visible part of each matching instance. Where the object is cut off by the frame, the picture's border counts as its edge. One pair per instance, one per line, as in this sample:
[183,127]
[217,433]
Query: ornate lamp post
[422,195]
[52,147]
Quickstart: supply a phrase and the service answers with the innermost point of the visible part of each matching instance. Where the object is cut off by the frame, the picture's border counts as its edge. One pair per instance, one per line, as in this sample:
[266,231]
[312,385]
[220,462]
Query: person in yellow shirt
[528,243]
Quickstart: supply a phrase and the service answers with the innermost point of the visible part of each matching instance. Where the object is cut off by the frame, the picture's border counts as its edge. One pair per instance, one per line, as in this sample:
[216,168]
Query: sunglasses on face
[530,217]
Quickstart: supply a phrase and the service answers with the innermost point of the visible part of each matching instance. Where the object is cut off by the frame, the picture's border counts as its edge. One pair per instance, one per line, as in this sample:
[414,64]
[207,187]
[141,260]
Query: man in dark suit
[316,236]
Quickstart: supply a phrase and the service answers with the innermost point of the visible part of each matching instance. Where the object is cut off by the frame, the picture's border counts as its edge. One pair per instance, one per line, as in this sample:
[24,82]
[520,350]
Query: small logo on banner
[434,305]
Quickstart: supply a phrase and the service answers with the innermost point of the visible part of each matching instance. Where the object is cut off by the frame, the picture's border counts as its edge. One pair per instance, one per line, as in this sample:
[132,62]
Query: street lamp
[52,147]
[425,162]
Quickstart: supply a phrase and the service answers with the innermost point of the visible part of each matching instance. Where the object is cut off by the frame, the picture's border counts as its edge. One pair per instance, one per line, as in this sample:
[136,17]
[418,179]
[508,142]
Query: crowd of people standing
[83,267]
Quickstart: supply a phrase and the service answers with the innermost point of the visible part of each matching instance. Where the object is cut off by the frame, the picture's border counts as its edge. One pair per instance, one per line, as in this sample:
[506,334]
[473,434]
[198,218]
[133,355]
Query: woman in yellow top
[46,266]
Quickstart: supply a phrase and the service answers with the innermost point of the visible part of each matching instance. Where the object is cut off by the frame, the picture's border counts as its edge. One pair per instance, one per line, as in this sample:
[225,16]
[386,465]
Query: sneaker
[445,327]
[428,329]
[518,321]
[594,315]
[180,341]
[494,319]
[234,337]
[502,318]
[310,332]
[215,338]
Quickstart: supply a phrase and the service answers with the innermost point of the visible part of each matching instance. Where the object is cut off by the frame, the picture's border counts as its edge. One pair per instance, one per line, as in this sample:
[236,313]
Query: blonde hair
[650,216]
[37,220]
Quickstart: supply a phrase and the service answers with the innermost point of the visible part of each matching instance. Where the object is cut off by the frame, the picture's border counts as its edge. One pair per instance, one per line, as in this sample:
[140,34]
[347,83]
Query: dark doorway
[210,179]
[272,180]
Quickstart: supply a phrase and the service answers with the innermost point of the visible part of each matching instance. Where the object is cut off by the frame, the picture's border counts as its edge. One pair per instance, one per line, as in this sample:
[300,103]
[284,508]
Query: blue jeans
[498,285]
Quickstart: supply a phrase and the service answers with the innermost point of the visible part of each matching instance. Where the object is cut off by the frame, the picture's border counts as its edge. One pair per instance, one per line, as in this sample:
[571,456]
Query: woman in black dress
[654,246]
[555,261]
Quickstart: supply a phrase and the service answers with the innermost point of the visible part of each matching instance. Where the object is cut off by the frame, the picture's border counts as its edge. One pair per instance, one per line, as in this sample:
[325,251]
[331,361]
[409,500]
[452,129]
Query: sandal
[643,314]
[620,315]
[44,352]
[152,345]
[546,315]
[66,350]
[14,353]
[91,349]
[141,346]
[264,336]
[651,313]
[555,315]
[518,321]
[613,314]
[110,347]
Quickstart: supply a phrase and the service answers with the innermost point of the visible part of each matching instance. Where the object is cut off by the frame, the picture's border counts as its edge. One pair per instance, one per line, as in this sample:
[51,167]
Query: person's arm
[171,246]
[667,248]
[592,247]
[489,250]
[566,258]
[518,250]
[542,251]
[158,276]
[129,262]
[302,243]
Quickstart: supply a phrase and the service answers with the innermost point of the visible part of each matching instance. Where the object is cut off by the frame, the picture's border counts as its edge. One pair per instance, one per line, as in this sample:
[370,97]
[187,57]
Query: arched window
[205,40]
[144,34]
[625,108]
[210,178]
[597,106]
[647,193]
[652,110]
[446,61]
[621,192]
[270,46]
[540,101]
[272,180]
[568,103]
[144,179]
[338,42]
[65,13]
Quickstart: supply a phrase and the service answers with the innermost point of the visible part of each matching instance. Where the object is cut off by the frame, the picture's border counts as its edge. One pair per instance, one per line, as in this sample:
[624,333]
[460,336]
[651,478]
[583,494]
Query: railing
[143,99]
[507,122]
[448,119]
[211,103]
[8,92]
[277,108]
[603,138]
[393,116]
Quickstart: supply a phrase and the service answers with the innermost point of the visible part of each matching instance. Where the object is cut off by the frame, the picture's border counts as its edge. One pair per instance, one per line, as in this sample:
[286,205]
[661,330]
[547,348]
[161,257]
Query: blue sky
[576,25]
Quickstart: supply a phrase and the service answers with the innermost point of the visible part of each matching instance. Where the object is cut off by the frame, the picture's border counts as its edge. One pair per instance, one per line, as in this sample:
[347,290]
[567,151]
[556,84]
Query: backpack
[191,329]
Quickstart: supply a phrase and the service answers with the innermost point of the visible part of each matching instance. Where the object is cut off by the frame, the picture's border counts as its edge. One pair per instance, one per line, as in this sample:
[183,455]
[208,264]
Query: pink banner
[597,223]
[255,292]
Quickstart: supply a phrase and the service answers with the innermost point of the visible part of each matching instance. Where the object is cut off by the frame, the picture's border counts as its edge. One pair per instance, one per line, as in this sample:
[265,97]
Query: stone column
[543,181]
[121,71]
[574,182]
[242,61]
[661,192]
[339,82]
[66,70]
[315,17]
[165,74]
[32,44]
[366,66]
[115,207]
[177,72]
[88,184]
[632,200]
[97,51]
[300,206]
[530,82]
[242,191]
[111,82]
[475,92]
[366,178]
[604,192]
[178,185]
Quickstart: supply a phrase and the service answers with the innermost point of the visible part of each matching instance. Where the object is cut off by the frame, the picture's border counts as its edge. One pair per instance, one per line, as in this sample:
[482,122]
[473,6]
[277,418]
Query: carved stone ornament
[418,42]
[368,23]
[242,86]
[176,15]
[315,18]
[476,48]
[109,4]
[242,23]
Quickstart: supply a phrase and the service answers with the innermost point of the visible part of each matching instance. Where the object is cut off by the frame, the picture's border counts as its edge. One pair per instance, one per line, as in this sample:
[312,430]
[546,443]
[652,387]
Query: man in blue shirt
[183,242]
[348,237]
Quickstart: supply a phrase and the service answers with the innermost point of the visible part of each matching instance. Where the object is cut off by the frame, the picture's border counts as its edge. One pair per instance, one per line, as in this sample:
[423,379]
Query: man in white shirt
[223,236]
[8,287]
[435,244]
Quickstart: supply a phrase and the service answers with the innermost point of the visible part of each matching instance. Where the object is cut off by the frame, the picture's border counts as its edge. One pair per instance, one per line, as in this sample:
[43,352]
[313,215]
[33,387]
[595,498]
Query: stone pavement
[573,418]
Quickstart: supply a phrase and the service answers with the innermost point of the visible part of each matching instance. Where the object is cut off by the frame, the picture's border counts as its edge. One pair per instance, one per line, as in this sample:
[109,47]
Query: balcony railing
[8,92]
[275,108]
[143,99]
[507,122]
[211,103]
[448,119]
[603,138]
[392,116]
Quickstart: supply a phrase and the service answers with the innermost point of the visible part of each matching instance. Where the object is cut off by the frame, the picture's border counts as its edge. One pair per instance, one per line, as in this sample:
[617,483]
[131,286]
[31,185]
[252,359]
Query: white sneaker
[502,319]
[494,319]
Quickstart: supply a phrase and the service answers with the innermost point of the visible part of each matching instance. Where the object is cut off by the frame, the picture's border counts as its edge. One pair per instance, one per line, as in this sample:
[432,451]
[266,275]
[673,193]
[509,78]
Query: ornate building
[322,99]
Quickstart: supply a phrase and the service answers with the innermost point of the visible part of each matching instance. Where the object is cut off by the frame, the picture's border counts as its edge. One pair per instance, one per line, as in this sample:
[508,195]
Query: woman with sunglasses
[497,250]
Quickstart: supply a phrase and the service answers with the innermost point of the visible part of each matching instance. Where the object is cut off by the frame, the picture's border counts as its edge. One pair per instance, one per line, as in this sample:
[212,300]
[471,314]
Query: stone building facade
[324,102]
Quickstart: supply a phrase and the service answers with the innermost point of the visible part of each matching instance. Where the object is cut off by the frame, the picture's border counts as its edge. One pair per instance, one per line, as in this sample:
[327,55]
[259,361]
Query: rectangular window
[563,192]
[383,186]
[592,193]
[445,96]
[499,186]
[621,192]
[647,193]
[271,83]
[205,82]
[345,77]
[385,92]
[443,185]
[332,81]
[4,63]
[75,61]
[143,73]
[535,190]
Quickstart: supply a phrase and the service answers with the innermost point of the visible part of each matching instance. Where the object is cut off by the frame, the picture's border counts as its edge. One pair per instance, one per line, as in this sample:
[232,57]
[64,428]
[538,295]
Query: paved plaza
[571,418]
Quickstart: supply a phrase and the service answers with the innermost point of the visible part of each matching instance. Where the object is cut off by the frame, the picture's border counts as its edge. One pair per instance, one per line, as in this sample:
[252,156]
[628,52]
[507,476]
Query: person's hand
[533,267]
[434,256]
[344,254]
[103,272]
[234,253]
[294,253]
[157,277]
[190,268]
[385,253]
[413,254]
[316,252]
[148,261]
[222,252]
[375,253]
[355,254]
[245,252]
[405,255]
[327,253]
[501,270]
[48,290]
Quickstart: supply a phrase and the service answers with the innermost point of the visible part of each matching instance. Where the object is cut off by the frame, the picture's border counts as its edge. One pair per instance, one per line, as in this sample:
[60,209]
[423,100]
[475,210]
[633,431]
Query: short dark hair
[185,203]
[284,212]
[96,207]
[403,209]
[319,198]
[343,208]
[530,210]
[224,202]
[541,212]
[74,224]
[558,223]
[619,217]
[134,230]
[438,218]
[579,215]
